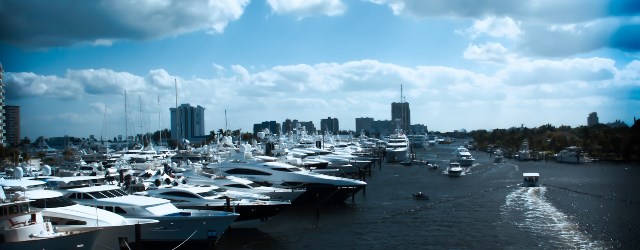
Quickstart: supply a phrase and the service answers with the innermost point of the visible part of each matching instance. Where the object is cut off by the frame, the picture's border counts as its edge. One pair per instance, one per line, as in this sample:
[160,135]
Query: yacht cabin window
[244,171]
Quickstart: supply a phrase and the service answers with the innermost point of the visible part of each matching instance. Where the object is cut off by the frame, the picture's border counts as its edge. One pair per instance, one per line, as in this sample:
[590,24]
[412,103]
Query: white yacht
[22,228]
[66,215]
[454,169]
[175,225]
[251,211]
[572,154]
[397,149]
[320,188]
[238,184]
[463,156]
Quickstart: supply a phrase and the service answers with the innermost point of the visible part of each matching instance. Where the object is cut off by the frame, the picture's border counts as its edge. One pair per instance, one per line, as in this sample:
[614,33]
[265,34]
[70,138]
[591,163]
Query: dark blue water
[586,206]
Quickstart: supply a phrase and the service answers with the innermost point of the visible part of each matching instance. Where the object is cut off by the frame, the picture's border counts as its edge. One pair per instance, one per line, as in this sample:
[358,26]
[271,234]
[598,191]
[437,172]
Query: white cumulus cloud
[305,8]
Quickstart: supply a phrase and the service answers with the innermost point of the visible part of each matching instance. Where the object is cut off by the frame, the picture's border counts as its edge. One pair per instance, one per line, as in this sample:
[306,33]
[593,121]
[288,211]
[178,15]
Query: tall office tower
[2,135]
[330,124]
[187,122]
[592,120]
[12,125]
[400,112]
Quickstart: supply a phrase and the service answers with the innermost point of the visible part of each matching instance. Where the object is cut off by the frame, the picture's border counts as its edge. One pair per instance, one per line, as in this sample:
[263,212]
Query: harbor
[587,206]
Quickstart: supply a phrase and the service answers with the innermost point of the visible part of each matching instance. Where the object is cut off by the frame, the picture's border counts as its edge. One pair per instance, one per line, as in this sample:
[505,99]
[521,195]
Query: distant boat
[463,156]
[531,179]
[524,154]
[572,154]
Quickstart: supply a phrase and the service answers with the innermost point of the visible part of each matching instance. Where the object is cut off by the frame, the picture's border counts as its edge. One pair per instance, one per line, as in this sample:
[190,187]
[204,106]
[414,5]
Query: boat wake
[528,209]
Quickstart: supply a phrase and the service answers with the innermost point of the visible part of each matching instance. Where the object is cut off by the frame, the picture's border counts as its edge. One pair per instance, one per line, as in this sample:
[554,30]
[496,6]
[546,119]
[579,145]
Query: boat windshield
[53,202]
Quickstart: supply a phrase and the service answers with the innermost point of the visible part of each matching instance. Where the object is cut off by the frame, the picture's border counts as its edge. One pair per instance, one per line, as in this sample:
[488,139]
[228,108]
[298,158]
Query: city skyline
[478,65]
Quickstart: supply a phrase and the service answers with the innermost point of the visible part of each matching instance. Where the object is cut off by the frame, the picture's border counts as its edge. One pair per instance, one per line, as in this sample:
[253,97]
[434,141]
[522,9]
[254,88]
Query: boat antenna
[226,125]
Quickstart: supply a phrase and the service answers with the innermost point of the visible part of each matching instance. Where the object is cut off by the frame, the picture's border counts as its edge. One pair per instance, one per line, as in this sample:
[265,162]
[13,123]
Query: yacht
[238,184]
[531,179]
[320,188]
[454,169]
[23,228]
[524,154]
[572,154]
[251,211]
[463,157]
[67,215]
[397,149]
[175,225]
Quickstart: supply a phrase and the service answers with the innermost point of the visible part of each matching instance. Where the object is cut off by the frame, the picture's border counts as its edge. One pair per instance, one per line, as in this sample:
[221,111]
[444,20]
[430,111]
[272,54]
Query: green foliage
[601,141]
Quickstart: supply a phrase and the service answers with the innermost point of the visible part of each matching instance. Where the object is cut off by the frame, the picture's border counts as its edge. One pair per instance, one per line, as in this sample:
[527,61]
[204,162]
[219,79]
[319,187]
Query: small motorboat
[420,196]
[531,179]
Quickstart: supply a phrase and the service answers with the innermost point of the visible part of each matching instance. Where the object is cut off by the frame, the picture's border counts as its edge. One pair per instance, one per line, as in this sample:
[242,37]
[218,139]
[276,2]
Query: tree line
[599,141]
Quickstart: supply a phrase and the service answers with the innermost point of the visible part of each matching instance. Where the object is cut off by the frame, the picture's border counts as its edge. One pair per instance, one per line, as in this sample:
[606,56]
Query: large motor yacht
[22,228]
[175,225]
[463,157]
[320,188]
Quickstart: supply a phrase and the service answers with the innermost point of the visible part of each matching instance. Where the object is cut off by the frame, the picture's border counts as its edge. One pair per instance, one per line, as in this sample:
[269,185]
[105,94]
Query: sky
[481,64]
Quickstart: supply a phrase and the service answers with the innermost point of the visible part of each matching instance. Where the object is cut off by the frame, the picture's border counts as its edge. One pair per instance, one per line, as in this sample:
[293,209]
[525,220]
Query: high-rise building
[289,125]
[187,122]
[400,112]
[364,124]
[273,126]
[330,125]
[2,135]
[592,120]
[12,125]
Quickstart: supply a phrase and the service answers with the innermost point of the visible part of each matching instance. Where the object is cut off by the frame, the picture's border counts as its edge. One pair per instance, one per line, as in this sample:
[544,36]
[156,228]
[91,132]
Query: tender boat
[531,179]
[454,169]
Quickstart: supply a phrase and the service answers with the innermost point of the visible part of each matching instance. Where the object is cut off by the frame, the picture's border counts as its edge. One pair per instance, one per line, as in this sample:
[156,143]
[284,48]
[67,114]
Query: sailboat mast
[159,123]
[177,113]
[126,128]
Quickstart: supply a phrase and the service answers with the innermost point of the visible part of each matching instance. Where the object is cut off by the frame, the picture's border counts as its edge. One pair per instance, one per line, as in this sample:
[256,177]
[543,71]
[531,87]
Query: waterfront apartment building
[187,122]
[364,124]
[273,127]
[592,120]
[400,112]
[330,125]
[12,125]
[289,125]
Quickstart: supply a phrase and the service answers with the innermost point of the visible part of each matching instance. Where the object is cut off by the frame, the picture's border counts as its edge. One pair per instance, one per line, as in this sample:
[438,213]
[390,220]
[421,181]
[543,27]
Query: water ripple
[528,208]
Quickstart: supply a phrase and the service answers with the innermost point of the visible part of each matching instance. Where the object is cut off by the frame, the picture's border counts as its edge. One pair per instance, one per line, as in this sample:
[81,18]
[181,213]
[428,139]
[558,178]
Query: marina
[500,203]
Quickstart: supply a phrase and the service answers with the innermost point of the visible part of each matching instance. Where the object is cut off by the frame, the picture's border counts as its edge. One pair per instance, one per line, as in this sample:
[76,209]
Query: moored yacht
[67,215]
[320,188]
[572,154]
[175,225]
[23,228]
[251,211]
[397,149]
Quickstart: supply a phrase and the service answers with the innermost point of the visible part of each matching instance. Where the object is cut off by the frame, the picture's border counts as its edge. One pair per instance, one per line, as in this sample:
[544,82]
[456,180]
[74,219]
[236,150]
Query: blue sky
[463,64]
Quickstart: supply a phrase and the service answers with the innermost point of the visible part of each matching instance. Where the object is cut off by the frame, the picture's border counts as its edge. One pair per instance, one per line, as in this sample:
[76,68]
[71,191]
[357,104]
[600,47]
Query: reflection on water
[528,209]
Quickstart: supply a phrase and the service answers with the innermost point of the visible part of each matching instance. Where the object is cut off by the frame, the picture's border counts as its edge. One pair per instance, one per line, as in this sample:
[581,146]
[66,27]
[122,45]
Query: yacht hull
[83,240]
[200,226]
